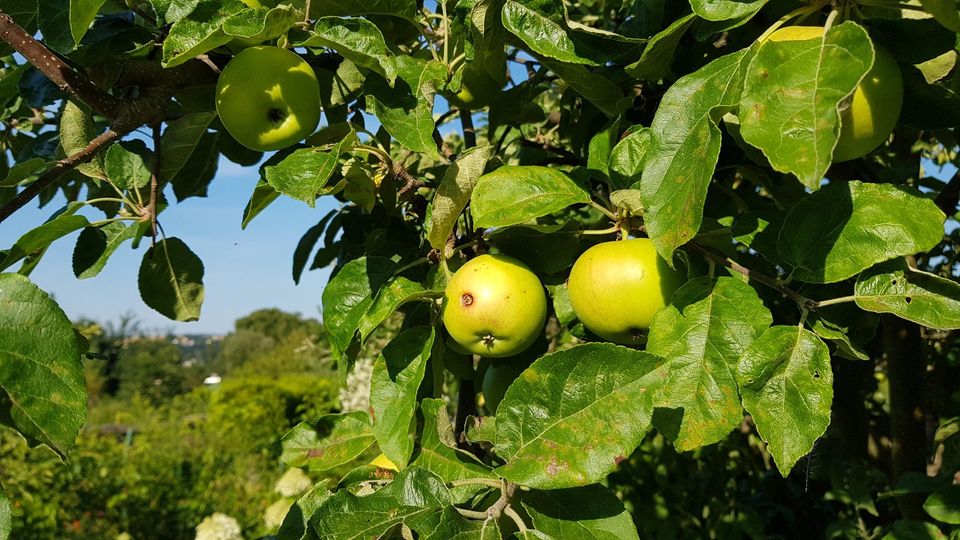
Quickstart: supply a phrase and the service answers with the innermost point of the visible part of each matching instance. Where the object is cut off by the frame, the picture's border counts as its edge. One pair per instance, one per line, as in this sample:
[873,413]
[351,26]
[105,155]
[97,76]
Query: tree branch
[773,283]
[469,134]
[54,68]
[96,146]
[154,189]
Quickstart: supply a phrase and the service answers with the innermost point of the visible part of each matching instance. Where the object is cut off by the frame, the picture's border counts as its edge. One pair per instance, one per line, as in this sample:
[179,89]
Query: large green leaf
[96,244]
[179,140]
[596,88]
[306,244]
[450,525]
[358,40]
[701,336]
[921,297]
[349,294]
[171,280]
[76,132]
[406,108]
[944,11]
[628,157]
[82,13]
[659,53]
[38,239]
[544,35]
[866,224]
[555,423]
[454,192]
[263,195]
[787,385]
[397,374]
[260,23]
[515,194]
[791,96]
[42,389]
[297,521]
[201,167]
[944,504]
[586,513]
[334,440]
[684,150]
[725,10]
[200,31]
[439,453]
[399,291]
[125,165]
[411,498]
[304,173]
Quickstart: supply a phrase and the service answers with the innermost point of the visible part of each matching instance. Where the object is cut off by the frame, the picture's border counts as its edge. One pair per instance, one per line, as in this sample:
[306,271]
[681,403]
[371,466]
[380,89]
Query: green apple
[494,306]
[617,287]
[478,88]
[871,113]
[268,98]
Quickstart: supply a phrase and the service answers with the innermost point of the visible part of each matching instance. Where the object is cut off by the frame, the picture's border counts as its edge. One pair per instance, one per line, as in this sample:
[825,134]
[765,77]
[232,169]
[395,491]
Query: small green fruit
[617,287]
[494,306]
[268,98]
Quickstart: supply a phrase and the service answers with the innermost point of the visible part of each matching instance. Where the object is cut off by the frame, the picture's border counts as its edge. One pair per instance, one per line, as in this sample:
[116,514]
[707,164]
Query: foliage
[807,280]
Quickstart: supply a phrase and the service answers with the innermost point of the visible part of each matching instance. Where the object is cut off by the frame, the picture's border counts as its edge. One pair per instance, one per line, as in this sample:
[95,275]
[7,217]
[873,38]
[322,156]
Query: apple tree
[601,221]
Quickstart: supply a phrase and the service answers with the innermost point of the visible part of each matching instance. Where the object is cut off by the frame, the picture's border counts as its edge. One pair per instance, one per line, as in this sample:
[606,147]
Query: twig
[154,184]
[804,302]
[512,514]
[410,182]
[469,134]
[441,145]
[208,62]
[65,77]
[96,146]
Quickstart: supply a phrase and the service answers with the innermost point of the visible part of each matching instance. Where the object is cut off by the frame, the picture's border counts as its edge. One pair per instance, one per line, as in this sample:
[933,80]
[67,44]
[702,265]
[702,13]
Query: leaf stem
[612,230]
[476,482]
[605,211]
[834,301]
[512,514]
[379,153]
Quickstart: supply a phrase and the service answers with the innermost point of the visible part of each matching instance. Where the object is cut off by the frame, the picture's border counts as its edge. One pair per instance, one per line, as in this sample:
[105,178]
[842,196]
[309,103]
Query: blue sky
[244,269]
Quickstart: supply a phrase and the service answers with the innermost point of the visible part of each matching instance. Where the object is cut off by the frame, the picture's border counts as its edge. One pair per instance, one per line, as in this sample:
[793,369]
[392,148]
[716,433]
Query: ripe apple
[384,462]
[617,287]
[494,306]
[873,110]
[268,98]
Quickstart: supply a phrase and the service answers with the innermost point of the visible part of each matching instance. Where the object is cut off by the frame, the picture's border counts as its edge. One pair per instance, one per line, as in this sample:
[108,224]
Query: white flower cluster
[219,527]
[293,483]
[274,515]
[355,395]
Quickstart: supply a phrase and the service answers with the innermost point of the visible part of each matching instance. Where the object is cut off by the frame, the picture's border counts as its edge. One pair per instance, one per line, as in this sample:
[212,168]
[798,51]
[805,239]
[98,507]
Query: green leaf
[412,497]
[179,141]
[630,200]
[41,376]
[53,20]
[725,10]
[348,296]
[358,40]
[388,299]
[594,87]
[554,423]
[847,326]
[914,530]
[541,34]
[659,53]
[439,453]
[944,11]
[450,525]
[5,513]
[546,249]
[397,374]
[787,385]
[200,31]
[406,9]
[304,173]
[481,429]
[944,504]
[297,521]
[921,297]
[628,157]
[38,239]
[305,246]
[24,171]
[199,170]
[684,151]
[406,108]
[791,96]
[126,168]
[866,224]
[701,336]
[76,132]
[171,280]
[96,244]
[514,194]
[261,24]
[336,439]
[453,193]
[589,513]
[82,13]
[263,195]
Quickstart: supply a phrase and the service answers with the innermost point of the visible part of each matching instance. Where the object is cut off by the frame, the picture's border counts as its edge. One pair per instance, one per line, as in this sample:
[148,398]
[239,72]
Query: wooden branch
[96,146]
[469,133]
[54,68]
[773,283]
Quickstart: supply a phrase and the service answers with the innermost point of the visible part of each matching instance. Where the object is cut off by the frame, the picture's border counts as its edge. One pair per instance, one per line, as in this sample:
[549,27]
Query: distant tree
[240,347]
[151,368]
[277,324]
